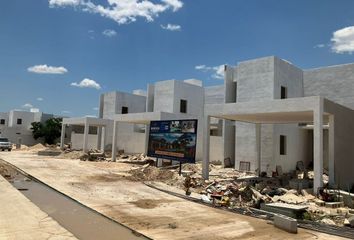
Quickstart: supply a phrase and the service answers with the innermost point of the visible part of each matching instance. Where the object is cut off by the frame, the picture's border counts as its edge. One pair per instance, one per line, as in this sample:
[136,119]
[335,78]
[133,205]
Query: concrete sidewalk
[21,219]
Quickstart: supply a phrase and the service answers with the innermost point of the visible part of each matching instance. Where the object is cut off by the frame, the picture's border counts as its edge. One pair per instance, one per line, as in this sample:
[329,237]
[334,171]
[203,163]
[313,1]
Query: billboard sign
[173,139]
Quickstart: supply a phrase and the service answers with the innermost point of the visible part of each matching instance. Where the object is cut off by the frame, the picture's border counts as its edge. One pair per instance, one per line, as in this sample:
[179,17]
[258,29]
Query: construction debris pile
[257,192]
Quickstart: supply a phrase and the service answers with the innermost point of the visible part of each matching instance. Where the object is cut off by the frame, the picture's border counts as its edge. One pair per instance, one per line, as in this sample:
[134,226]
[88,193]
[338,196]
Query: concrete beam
[114,141]
[103,139]
[86,131]
[286,223]
[318,146]
[99,137]
[62,136]
[331,151]
[258,147]
[147,132]
[206,147]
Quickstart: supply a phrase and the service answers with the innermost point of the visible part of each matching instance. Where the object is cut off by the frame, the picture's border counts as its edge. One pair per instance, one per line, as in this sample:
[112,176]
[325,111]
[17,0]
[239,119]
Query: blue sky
[92,47]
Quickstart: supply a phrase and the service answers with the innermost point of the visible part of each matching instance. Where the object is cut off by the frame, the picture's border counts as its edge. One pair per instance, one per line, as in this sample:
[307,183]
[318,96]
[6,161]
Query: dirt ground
[108,188]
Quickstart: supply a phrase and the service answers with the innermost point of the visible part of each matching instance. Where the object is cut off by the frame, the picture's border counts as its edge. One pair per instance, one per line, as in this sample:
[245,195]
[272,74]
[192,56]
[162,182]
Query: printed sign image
[175,140]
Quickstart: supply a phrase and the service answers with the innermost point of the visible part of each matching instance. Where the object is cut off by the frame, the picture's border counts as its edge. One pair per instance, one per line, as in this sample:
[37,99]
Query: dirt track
[102,186]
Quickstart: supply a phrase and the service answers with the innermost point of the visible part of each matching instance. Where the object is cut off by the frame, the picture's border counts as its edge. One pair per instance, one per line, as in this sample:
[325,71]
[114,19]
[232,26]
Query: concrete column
[99,137]
[206,147]
[62,136]
[114,141]
[258,147]
[331,151]
[86,131]
[147,132]
[103,139]
[318,146]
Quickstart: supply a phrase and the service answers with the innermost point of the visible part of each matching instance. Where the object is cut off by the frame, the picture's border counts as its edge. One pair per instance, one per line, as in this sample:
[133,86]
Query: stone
[328,221]
[346,222]
[286,223]
[334,204]
[351,221]
[319,202]
[205,198]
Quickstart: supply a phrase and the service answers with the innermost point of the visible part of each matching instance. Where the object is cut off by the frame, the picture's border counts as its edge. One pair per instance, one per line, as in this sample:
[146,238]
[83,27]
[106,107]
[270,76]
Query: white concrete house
[16,125]
[266,113]
[275,114]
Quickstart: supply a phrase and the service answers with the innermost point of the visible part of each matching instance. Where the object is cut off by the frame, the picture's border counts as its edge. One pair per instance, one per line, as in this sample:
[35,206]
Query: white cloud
[175,4]
[95,108]
[171,27]
[87,83]
[45,69]
[343,40]
[109,33]
[65,111]
[201,67]
[122,11]
[40,99]
[321,45]
[91,116]
[53,3]
[27,105]
[218,71]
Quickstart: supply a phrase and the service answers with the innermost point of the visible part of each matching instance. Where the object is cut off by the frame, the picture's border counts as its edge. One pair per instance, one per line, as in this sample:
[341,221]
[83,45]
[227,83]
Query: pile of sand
[151,173]
[38,146]
[71,154]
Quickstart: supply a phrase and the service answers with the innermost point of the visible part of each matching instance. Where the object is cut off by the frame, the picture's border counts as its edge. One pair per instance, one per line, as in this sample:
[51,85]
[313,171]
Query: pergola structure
[143,118]
[316,110]
[100,123]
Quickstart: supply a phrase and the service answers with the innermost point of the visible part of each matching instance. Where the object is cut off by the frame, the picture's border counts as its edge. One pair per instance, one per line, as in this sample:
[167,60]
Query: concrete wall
[27,119]
[135,103]
[216,149]
[291,77]
[150,98]
[192,93]
[129,140]
[297,147]
[77,140]
[259,80]
[255,82]
[343,144]
[214,94]
[164,96]
[335,83]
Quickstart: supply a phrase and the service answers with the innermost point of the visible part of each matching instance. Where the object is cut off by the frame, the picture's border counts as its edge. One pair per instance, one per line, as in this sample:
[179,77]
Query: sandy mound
[151,173]
[38,146]
[71,155]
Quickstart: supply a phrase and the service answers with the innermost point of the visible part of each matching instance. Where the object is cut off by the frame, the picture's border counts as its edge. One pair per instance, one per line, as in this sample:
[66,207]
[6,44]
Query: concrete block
[319,202]
[290,210]
[285,223]
[334,204]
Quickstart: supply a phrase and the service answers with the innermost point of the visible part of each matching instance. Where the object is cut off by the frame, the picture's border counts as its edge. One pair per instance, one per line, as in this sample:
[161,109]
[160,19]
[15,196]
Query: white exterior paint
[21,132]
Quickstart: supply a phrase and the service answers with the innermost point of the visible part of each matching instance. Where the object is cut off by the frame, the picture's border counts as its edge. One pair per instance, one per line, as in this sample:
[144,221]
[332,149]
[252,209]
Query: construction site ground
[109,188]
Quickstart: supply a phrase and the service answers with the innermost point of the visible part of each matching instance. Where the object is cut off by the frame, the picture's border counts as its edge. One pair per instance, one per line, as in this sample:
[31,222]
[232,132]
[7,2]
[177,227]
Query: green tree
[49,131]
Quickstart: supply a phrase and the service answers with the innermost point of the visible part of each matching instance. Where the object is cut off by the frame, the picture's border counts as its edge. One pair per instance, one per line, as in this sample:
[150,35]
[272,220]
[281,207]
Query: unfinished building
[267,114]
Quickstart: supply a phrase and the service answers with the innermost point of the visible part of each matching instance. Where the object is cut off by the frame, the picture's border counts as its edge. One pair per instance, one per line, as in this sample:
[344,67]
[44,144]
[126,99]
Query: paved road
[102,187]
[21,219]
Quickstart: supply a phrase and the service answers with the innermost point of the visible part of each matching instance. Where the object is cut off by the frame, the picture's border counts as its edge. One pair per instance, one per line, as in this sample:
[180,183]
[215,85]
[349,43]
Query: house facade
[267,113]
[16,125]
